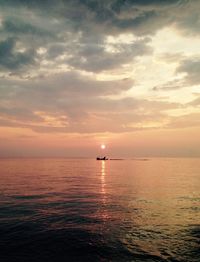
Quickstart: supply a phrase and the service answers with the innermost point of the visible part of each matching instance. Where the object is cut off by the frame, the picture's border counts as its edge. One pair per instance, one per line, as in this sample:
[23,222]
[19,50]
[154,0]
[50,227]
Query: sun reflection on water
[104,214]
[103,174]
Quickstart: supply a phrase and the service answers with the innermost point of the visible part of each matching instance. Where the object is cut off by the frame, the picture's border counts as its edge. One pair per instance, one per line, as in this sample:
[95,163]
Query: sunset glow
[76,73]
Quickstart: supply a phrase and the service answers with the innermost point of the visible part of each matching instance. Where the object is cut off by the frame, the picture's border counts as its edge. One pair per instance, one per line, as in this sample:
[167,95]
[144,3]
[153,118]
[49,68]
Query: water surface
[88,210]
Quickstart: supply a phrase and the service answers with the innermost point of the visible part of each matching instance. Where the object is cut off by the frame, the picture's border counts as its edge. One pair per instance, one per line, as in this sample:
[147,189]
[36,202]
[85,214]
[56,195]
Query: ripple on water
[76,210]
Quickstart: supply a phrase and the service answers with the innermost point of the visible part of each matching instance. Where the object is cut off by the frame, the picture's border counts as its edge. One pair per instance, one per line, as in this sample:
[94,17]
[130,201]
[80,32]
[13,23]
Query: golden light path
[104,213]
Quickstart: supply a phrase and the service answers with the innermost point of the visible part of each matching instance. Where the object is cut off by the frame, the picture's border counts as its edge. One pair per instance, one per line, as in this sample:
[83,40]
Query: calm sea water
[88,210]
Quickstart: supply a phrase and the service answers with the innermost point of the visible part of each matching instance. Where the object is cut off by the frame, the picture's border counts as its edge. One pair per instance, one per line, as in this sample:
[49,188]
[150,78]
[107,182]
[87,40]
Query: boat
[102,158]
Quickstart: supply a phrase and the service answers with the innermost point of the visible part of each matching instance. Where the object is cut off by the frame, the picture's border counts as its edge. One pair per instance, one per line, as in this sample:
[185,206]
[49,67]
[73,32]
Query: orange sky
[168,143]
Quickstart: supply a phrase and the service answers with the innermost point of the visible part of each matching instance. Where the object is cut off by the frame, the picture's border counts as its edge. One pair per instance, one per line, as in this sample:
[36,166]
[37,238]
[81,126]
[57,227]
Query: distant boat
[102,158]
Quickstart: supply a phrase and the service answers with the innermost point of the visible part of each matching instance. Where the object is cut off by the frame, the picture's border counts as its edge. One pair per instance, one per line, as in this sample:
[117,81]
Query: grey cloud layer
[140,17]
[190,67]
[39,38]
[75,106]
[78,29]
[12,59]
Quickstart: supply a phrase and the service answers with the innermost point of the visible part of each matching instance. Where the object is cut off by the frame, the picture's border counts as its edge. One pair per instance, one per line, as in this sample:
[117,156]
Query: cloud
[53,54]
[18,113]
[66,40]
[170,85]
[62,93]
[185,121]
[191,67]
[74,33]
[171,57]
[96,58]
[195,102]
[17,26]
[12,59]
[188,69]
[139,17]
[75,103]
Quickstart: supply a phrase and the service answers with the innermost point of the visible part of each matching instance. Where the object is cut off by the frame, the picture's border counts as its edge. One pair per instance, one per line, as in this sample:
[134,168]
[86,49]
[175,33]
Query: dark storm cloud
[82,49]
[78,29]
[28,3]
[12,59]
[96,58]
[134,16]
[16,26]
[138,17]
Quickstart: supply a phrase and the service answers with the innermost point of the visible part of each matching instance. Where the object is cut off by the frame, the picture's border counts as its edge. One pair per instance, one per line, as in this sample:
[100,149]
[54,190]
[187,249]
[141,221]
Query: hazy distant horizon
[110,157]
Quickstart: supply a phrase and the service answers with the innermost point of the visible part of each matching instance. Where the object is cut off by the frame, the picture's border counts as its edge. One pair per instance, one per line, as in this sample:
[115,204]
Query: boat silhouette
[102,158]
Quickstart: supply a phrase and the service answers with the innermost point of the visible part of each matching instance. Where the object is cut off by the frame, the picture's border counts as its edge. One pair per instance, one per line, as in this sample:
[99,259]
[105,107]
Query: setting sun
[103,146]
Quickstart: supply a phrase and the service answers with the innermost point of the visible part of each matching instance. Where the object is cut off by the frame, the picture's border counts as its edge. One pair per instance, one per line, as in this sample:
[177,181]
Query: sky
[76,74]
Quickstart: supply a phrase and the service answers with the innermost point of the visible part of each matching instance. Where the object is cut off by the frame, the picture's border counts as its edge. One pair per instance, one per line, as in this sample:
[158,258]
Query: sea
[62,209]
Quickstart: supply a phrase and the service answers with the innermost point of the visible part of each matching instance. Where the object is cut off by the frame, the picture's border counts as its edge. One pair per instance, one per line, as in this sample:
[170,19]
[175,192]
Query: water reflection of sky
[147,206]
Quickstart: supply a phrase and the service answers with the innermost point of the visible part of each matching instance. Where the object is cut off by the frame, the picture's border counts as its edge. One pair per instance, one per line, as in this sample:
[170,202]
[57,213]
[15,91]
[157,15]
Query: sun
[103,146]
